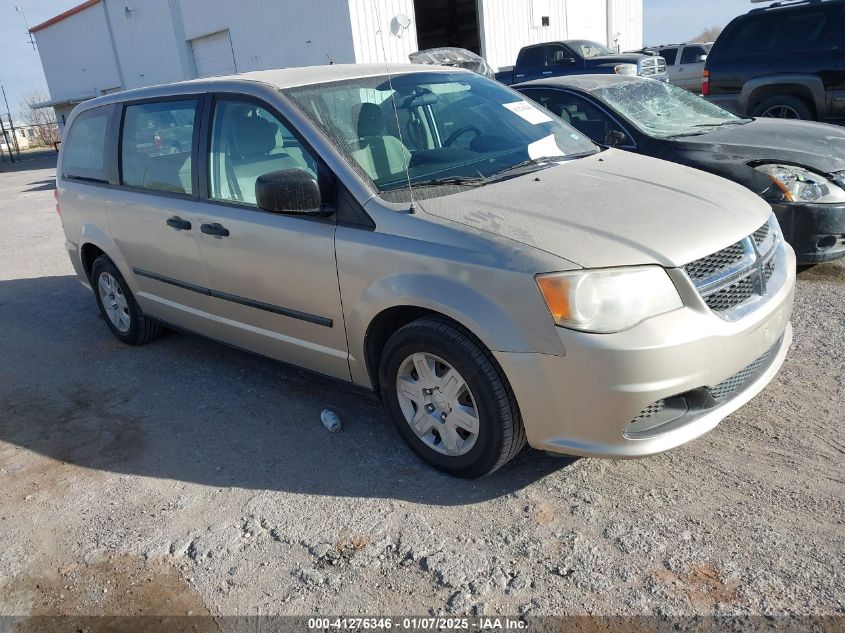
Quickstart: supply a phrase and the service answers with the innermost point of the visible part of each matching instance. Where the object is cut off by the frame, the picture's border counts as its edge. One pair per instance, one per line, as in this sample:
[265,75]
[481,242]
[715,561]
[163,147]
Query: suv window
[531,56]
[247,141]
[782,32]
[156,146]
[670,55]
[692,53]
[84,154]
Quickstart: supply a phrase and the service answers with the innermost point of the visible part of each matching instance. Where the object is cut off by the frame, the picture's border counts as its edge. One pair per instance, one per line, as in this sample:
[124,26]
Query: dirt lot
[185,477]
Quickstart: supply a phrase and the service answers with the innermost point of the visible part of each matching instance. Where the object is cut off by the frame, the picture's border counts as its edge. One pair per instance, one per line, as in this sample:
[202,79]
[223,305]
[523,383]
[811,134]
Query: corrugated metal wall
[375,22]
[625,25]
[507,25]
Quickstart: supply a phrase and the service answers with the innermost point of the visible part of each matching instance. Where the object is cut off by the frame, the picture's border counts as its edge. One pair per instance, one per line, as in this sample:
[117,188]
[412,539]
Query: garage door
[213,55]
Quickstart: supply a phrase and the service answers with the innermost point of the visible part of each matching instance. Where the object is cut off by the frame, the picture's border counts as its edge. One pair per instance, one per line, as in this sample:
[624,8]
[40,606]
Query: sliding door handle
[178,223]
[214,229]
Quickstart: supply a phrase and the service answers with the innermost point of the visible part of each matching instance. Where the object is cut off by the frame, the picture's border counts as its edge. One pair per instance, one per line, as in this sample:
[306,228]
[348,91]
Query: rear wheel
[784,107]
[118,306]
[449,399]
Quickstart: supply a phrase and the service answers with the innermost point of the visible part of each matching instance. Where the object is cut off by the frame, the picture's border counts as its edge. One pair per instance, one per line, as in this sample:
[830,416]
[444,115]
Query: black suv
[786,60]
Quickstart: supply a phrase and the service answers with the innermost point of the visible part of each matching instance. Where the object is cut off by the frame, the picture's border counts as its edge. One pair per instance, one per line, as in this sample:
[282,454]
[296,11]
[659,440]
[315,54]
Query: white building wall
[375,24]
[625,24]
[77,57]
[275,33]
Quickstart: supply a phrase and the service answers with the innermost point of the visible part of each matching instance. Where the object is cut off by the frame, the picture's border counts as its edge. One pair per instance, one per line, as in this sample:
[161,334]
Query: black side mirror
[289,191]
[615,138]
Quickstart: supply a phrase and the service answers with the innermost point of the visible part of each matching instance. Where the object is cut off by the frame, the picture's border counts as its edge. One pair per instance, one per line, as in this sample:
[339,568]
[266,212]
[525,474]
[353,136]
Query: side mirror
[615,138]
[289,191]
[702,58]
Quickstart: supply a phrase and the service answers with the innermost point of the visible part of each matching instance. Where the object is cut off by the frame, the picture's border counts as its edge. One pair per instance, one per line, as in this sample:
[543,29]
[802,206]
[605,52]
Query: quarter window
[247,141]
[156,146]
[84,154]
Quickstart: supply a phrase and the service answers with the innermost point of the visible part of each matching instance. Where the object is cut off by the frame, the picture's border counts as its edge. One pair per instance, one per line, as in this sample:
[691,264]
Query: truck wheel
[118,307]
[784,107]
[449,399]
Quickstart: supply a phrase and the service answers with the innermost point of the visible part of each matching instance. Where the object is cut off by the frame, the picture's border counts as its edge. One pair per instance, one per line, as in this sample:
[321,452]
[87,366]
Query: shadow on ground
[30,161]
[193,410]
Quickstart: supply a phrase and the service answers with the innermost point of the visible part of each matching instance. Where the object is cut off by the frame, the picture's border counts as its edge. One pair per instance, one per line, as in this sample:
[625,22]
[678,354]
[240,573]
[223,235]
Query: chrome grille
[743,377]
[735,275]
[652,66]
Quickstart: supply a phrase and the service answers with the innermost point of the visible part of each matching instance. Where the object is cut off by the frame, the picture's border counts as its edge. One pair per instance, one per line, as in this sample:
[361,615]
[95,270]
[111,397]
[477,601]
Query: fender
[811,83]
[484,318]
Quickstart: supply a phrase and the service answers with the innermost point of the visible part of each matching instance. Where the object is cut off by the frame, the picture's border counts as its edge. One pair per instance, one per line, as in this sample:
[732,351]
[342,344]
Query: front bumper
[815,231]
[585,403]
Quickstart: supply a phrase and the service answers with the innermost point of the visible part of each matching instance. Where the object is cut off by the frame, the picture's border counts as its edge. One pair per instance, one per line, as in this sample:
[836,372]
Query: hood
[818,146]
[622,58]
[612,209]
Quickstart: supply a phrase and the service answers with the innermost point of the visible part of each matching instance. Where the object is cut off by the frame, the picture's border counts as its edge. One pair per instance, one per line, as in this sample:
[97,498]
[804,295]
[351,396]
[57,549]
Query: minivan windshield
[664,111]
[445,129]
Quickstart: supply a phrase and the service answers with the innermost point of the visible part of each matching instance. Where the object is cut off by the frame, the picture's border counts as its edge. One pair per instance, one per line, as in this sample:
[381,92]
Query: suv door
[273,277]
[152,215]
[690,68]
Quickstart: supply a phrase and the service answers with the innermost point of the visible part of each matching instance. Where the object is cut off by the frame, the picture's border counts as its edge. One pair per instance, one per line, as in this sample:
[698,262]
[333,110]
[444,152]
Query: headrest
[371,121]
[254,136]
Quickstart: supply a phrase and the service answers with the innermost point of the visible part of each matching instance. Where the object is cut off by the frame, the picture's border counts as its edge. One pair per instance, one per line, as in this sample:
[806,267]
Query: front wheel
[449,399]
[118,306]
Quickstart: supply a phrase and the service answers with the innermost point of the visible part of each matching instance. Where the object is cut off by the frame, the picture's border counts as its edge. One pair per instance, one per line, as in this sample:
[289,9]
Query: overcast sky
[666,22]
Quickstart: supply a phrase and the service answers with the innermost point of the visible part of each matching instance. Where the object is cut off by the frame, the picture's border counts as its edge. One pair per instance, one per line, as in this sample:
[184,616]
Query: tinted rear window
[778,32]
[669,54]
[84,152]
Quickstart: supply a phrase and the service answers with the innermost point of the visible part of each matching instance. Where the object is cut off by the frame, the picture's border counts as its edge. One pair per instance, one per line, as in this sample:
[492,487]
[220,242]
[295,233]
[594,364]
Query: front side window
[692,54]
[84,154]
[578,112]
[156,146]
[444,126]
[247,141]
[662,110]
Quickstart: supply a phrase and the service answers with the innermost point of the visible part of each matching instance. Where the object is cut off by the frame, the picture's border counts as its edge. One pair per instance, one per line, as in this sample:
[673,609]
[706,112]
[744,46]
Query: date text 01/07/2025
[415,624]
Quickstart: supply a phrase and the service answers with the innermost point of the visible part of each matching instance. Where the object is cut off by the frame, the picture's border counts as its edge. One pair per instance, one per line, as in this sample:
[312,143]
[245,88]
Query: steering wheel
[460,132]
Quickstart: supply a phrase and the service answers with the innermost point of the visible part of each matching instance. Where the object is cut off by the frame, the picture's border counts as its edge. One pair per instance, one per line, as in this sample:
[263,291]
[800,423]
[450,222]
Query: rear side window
[532,56]
[670,55]
[778,32]
[156,144]
[84,154]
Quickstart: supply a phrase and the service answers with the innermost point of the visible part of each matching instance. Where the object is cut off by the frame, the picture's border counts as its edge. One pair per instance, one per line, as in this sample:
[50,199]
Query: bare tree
[42,120]
[708,35]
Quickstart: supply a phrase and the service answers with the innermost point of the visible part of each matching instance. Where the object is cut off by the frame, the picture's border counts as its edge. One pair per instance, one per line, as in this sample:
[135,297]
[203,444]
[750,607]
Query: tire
[450,357]
[123,317]
[784,107]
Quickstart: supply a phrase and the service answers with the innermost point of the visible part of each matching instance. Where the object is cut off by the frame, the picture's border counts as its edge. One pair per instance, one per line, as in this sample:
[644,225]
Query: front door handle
[214,229]
[178,223]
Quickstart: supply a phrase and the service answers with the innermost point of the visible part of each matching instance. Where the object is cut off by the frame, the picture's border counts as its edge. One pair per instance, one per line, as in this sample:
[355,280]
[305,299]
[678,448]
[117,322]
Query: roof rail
[783,3]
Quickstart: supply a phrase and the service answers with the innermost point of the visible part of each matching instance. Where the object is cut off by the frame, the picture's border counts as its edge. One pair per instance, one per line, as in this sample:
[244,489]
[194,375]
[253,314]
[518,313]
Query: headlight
[608,300]
[625,69]
[802,185]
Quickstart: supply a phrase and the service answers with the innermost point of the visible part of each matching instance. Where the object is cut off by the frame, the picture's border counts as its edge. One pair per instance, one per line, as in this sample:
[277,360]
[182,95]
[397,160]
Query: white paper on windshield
[528,112]
[544,147]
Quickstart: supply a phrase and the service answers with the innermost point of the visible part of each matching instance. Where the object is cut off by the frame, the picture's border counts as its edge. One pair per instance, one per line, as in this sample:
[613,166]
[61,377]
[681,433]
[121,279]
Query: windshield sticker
[544,148]
[528,112]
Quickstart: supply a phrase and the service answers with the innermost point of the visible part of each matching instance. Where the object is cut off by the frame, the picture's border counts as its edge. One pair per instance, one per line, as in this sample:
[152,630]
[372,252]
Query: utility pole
[6,138]
[20,10]
[11,122]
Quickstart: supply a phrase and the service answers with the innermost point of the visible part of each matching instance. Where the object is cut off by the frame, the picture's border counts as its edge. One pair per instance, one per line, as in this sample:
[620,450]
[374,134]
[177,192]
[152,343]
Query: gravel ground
[185,477]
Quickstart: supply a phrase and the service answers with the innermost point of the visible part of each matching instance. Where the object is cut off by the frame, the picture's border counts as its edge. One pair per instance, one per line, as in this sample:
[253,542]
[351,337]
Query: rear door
[273,277]
[690,68]
[152,214]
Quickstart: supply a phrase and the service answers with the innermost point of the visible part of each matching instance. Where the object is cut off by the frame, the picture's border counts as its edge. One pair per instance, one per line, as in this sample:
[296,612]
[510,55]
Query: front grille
[652,66]
[743,377]
[734,275]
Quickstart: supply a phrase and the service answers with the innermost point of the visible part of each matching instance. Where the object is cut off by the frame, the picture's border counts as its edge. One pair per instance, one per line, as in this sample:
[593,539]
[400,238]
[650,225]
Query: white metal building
[102,46]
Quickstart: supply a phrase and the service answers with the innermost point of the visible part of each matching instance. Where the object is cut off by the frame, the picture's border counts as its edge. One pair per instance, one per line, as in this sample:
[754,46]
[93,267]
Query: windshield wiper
[720,124]
[468,181]
[519,168]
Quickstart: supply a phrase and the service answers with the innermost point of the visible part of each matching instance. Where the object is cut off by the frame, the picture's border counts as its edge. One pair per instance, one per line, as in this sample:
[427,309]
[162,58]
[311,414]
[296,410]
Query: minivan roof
[280,78]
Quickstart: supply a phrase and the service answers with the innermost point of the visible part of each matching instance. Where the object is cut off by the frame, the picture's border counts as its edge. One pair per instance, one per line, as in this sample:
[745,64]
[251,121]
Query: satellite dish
[399,23]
